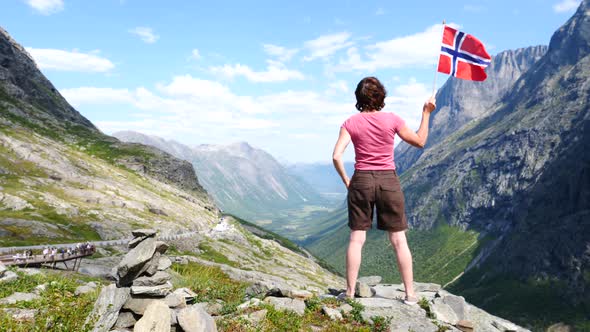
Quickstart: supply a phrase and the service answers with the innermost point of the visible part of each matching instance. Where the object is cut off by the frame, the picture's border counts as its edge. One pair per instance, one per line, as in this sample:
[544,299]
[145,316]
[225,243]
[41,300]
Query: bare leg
[353,259]
[404,260]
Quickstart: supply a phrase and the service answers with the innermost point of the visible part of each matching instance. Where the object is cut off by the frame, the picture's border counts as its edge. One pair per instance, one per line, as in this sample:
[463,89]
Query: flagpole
[436,63]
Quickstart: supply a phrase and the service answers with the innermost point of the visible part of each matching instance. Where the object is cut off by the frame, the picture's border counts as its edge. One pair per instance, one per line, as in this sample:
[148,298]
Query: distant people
[45,252]
[53,254]
[375,182]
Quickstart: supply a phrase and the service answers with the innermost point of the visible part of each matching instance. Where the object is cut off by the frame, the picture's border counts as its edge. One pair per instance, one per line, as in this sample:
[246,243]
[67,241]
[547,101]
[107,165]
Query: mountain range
[501,193]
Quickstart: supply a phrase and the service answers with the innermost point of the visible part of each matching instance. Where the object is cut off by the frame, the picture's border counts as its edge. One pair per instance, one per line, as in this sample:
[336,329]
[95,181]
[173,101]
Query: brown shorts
[380,189]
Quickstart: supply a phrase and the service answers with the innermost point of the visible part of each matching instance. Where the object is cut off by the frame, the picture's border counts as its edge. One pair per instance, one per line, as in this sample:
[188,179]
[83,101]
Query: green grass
[210,254]
[59,308]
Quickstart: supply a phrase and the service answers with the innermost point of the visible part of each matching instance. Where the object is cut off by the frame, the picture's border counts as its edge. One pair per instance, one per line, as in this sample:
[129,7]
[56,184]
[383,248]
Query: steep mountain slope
[61,179]
[244,181]
[460,101]
[519,177]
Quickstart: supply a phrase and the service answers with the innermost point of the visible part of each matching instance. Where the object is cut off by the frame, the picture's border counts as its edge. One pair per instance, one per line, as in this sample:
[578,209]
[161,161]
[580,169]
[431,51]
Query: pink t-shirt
[372,135]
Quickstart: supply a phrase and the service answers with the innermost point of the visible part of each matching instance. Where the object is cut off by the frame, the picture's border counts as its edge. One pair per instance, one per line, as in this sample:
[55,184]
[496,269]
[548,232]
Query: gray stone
[40,288]
[157,279]
[253,302]
[389,291]
[84,289]
[443,311]
[9,276]
[156,318]
[22,315]
[174,300]
[195,319]
[332,313]
[143,232]
[404,317]
[161,247]
[465,326]
[345,308]
[156,291]
[138,304]
[370,280]
[297,294]
[107,306]
[504,326]
[133,262]
[255,317]
[164,263]
[363,290]
[19,297]
[214,309]
[457,303]
[30,271]
[423,287]
[125,319]
[285,303]
[133,243]
[2,269]
[186,293]
[151,267]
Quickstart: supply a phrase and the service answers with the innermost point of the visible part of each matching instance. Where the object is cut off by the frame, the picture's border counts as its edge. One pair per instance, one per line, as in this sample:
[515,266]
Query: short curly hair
[370,94]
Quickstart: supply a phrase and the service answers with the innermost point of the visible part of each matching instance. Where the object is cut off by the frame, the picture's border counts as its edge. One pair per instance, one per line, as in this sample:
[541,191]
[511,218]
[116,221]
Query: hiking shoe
[411,300]
[342,297]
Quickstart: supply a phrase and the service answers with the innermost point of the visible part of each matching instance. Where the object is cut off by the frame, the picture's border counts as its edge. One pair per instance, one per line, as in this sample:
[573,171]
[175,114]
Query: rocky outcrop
[143,297]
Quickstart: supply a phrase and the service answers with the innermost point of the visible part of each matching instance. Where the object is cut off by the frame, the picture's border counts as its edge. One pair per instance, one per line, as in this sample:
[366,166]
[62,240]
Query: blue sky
[279,75]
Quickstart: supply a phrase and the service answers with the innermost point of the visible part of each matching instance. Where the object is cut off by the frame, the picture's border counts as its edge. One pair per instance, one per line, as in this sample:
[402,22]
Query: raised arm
[418,139]
[341,144]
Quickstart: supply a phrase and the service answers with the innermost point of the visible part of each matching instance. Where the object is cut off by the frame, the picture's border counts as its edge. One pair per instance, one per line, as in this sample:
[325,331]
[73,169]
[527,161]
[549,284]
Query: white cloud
[326,45]
[337,87]
[406,100]
[380,11]
[46,7]
[275,72]
[281,53]
[195,54]
[145,33]
[419,49]
[52,59]
[566,6]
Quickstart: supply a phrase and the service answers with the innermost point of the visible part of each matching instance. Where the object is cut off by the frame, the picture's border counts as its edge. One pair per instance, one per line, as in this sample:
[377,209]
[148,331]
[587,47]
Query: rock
[443,311]
[125,319]
[465,326]
[157,279]
[186,293]
[214,309]
[161,247]
[195,319]
[133,243]
[2,269]
[83,290]
[457,304]
[504,326]
[164,263]
[423,287]
[9,276]
[174,300]
[253,302]
[134,261]
[158,291]
[156,318]
[332,313]
[405,317]
[30,271]
[107,306]
[151,267]
[19,297]
[21,315]
[370,280]
[143,232]
[345,308]
[285,303]
[298,294]
[559,327]
[138,304]
[389,291]
[257,288]
[363,290]
[335,291]
[255,317]
[40,288]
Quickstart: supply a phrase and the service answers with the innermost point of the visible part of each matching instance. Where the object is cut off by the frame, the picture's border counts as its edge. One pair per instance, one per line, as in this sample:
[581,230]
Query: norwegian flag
[463,56]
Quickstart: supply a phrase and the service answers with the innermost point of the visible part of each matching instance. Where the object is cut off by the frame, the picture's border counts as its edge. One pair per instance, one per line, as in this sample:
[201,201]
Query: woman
[375,182]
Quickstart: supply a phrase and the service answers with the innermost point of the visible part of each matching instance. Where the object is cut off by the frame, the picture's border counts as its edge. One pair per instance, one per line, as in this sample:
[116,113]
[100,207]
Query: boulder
[370,280]
[195,319]
[164,263]
[126,319]
[363,290]
[21,315]
[443,311]
[107,306]
[9,276]
[345,308]
[332,313]
[504,326]
[457,303]
[389,291]
[161,247]
[157,291]
[186,293]
[174,300]
[156,318]
[253,302]
[133,262]
[465,326]
[151,267]
[255,317]
[138,304]
[2,269]
[159,278]
[143,233]
[214,309]
[19,297]
[297,294]
[133,243]
[285,303]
